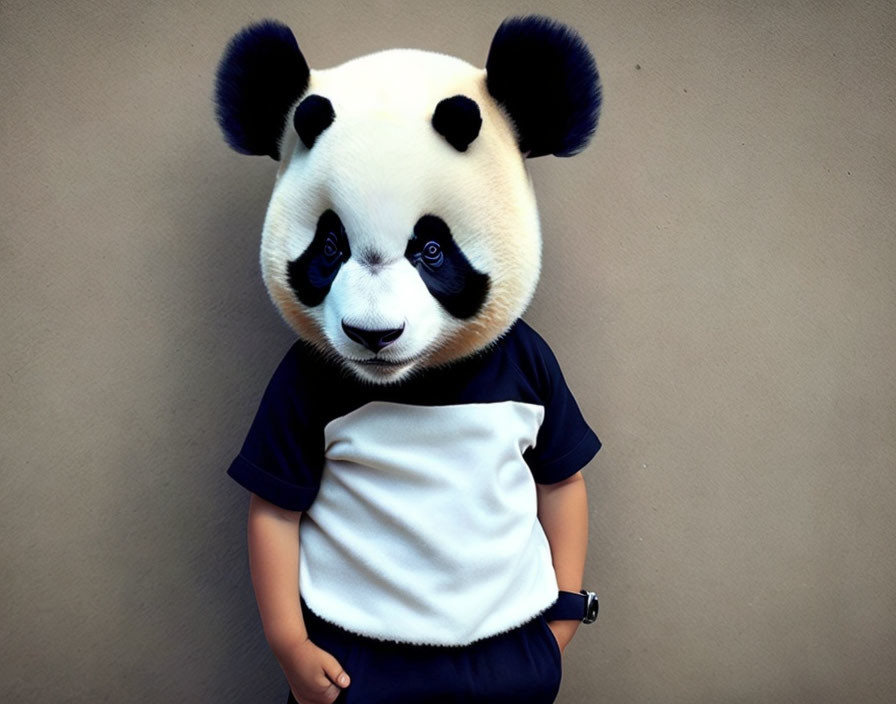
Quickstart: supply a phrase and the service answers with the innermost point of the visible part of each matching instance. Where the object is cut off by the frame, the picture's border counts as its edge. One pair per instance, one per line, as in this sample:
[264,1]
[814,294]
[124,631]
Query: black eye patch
[312,116]
[458,120]
[447,273]
[311,275]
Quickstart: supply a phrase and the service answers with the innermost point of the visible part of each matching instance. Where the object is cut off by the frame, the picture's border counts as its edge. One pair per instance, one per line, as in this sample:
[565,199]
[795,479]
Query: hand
[563,631]
[314,676]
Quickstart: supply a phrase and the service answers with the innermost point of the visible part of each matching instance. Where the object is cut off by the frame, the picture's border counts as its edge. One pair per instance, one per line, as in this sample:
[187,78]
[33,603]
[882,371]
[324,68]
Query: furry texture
[544,75]
[457,119]
[380,166]
[437,249]
[312,116]
[447,273]
[258,80]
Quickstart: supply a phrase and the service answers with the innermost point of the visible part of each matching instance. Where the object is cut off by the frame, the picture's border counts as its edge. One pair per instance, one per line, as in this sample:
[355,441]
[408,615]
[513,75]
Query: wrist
[284,642]
[573,606]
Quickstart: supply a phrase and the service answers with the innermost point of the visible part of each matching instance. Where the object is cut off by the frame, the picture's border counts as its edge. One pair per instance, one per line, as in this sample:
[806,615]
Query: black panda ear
[312,116]
[545,77]
[261,74]
[458,120]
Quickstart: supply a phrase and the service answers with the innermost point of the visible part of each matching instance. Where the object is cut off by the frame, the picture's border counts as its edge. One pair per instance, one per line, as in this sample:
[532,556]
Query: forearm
[273,535]
[563,512]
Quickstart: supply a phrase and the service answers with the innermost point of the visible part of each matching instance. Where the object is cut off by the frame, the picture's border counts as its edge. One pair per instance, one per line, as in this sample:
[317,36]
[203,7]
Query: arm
[313,674]
[563,512]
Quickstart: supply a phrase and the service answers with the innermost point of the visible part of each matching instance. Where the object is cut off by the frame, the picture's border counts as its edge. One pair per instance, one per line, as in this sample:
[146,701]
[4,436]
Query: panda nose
[374,340]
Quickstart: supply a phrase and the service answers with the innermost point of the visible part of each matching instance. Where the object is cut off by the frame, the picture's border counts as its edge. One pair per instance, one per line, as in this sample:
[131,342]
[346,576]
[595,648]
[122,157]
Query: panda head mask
[402,232]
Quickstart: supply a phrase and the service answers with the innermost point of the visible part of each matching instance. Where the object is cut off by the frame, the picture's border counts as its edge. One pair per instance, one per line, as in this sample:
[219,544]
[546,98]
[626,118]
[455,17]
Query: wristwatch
[571,606]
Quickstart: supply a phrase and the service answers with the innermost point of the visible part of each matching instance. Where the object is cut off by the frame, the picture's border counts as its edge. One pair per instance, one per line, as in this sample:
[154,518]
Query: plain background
[718,286]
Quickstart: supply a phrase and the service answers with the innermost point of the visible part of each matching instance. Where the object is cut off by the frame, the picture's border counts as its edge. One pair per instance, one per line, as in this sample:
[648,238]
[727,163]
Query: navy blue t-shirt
[284,453]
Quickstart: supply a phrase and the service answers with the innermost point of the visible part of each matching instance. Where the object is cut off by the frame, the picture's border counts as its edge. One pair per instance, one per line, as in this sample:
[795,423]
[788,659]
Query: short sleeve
[565,442]
[281,459]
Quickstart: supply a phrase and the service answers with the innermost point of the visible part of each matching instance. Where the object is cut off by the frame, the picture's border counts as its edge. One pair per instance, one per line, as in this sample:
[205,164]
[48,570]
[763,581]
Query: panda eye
[432,255]
[331,246]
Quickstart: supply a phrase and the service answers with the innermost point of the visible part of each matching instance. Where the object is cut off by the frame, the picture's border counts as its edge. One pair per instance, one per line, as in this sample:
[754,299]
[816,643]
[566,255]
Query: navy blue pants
[518,667]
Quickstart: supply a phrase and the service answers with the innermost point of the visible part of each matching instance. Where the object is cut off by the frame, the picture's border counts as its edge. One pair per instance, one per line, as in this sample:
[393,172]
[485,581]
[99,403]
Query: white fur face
[379,171]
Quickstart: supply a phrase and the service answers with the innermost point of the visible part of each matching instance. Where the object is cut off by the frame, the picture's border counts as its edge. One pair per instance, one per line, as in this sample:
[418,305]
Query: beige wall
[718,284]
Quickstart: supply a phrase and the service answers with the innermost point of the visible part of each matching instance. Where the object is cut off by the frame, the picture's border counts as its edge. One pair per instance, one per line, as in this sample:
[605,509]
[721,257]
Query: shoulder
[531,355]
[300,374]
[303,361]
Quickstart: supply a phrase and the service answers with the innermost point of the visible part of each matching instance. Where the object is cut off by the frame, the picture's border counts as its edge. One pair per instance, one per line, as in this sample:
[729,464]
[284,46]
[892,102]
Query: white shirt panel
[425,526]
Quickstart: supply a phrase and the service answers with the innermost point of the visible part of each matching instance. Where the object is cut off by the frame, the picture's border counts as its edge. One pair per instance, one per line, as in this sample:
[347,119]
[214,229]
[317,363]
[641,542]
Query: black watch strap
[572,606]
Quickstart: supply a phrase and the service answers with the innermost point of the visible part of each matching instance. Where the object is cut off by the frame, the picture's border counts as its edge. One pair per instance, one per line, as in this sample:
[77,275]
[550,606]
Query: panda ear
[312,116]
[261,74]
[458,120]
[545,77]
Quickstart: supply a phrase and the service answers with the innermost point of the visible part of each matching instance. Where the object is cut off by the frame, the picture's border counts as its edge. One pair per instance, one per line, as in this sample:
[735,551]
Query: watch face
[591,607]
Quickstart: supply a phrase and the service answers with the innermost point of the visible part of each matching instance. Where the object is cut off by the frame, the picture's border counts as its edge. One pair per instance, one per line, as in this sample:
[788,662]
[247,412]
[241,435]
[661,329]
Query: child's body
[491,543]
